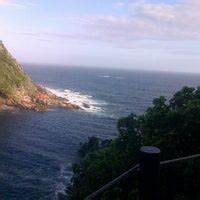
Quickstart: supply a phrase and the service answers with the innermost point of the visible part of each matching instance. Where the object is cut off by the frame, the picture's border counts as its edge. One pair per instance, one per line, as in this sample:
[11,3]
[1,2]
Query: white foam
[86,102]
[105,76]
[63,179]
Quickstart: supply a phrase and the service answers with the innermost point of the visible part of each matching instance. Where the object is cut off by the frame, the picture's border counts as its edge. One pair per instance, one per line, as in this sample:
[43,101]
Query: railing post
[149,173]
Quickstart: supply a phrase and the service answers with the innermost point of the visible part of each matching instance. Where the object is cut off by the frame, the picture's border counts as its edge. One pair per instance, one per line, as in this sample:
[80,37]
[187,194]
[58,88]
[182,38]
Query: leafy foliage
[11,74]
[172,126]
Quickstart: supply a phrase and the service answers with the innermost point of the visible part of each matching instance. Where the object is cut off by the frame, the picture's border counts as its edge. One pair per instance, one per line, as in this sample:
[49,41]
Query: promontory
[17,90]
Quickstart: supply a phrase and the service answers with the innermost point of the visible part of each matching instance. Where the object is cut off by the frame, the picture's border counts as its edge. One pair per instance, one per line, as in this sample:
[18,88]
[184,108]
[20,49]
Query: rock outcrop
[17,90]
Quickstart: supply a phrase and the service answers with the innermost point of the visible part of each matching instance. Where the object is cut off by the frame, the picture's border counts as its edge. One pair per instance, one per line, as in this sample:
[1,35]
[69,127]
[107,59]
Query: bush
[171,126]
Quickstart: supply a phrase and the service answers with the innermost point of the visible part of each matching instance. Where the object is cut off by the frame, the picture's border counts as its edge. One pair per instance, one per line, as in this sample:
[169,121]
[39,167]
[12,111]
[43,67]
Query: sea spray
[86,102]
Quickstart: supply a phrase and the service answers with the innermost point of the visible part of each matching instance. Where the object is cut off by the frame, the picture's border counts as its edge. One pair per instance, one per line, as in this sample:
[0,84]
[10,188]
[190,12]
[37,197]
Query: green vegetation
[11,75]
[172,125]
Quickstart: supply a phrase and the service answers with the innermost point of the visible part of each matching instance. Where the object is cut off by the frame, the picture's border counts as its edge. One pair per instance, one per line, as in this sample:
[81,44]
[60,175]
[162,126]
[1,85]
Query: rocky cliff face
[17,90]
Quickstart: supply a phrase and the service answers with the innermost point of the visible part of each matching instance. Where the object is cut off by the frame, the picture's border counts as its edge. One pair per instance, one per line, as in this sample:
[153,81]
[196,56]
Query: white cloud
[145,21]
[15,4]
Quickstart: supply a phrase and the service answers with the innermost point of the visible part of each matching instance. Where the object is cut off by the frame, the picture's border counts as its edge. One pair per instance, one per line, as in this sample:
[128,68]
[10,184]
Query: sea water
[37,149]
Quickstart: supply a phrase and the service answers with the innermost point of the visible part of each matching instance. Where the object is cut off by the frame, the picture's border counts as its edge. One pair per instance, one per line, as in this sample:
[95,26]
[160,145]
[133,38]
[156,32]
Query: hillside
[171,125]
[17,90]
[12,77]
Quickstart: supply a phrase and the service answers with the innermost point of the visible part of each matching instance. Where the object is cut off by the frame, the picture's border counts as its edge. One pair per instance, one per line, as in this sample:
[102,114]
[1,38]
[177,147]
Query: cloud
[145,21]
[141,25]
[15,4]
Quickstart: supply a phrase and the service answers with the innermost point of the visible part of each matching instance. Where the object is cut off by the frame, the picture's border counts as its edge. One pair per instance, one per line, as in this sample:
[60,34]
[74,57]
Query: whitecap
[86,102]
[105,76]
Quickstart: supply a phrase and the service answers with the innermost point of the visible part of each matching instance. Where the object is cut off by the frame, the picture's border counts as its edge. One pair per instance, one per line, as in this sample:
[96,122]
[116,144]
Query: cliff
[17,90]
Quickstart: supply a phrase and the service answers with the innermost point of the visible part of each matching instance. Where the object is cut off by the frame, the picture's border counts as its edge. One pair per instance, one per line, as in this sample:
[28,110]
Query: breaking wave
[86,102]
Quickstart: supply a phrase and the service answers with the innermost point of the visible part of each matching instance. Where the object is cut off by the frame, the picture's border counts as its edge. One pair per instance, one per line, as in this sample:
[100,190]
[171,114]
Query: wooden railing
[149,170]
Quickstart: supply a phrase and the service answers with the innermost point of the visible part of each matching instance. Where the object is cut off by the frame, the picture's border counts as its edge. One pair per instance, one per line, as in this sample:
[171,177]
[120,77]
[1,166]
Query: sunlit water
[37,149]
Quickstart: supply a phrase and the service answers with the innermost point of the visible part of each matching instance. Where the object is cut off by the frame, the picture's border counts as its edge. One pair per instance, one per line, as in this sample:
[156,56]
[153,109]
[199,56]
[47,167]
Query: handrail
[132,170]
[179,159]
[113,182]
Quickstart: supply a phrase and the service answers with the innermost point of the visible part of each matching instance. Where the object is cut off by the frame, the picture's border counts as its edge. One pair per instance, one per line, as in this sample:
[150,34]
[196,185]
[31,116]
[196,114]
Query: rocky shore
[18,91]
[41,100]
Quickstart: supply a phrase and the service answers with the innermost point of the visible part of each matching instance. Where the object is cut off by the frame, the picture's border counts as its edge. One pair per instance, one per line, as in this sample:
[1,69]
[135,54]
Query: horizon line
[107,68]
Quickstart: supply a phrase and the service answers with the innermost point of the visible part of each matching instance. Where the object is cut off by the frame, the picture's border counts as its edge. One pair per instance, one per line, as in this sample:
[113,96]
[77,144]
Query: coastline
[18,91]
[41,100]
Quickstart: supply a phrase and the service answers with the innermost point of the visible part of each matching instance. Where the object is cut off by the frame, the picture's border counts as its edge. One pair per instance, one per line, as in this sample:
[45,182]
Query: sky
[136,34]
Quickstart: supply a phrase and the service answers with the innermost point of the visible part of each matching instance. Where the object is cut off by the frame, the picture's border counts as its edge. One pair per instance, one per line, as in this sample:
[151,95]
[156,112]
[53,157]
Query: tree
[173,127]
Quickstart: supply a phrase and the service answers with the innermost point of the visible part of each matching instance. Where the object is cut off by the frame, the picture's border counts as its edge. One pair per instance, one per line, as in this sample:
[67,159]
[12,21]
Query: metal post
[149,173]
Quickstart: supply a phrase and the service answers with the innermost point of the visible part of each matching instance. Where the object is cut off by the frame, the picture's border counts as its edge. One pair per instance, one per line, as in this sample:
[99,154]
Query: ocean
[37,149]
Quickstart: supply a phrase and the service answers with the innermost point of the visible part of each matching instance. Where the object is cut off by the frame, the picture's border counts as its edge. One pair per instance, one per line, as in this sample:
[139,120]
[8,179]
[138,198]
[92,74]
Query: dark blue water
[37,149]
